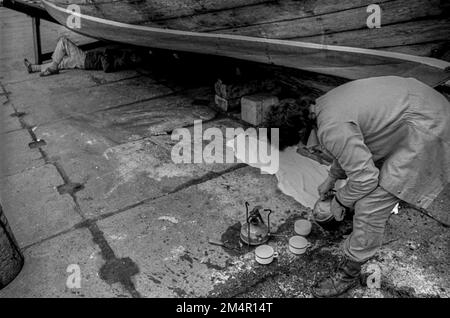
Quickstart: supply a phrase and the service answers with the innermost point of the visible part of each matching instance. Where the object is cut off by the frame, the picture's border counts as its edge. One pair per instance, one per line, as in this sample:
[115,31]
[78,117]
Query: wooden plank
[400,34]
[353,19]
[138,12]
[263,14]
[221,15]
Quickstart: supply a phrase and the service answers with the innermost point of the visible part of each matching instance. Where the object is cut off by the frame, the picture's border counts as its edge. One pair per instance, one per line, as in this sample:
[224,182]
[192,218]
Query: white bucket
[298,245]
[302,227]
[264,254]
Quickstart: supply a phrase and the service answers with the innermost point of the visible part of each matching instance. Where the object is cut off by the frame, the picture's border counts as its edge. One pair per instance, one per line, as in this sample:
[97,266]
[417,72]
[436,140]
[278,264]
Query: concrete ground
[87,180]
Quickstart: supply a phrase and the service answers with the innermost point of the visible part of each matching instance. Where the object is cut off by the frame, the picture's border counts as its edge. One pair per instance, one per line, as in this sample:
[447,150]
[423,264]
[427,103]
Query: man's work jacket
[388,131]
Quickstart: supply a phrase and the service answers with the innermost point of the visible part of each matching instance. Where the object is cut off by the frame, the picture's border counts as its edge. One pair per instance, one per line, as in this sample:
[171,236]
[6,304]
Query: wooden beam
[393,12]
[36,22]
[283,10]
[138,12]
[29,8]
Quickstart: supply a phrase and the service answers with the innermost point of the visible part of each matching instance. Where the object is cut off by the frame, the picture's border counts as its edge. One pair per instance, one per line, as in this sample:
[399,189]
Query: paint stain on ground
[232,238]
[210,265]
[153,279]
[187,258]
[114,270]
[118,270]
[179,292]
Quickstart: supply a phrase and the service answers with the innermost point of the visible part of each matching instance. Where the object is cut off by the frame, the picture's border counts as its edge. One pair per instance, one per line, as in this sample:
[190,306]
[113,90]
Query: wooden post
[11,259]
[37,40]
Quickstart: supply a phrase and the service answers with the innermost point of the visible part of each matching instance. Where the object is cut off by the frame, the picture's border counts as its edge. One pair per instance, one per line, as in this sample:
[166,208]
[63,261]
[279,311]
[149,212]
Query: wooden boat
[325,36]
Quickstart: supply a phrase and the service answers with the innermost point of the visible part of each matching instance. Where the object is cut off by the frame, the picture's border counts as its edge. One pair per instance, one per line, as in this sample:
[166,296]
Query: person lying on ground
[68,55]
[390,138]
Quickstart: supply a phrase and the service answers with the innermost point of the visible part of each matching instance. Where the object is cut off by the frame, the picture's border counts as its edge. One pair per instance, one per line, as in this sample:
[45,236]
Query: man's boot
[345,278]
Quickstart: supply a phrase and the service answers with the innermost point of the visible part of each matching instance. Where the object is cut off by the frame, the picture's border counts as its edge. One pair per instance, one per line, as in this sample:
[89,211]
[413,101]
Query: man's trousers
[67,55]
[369,222]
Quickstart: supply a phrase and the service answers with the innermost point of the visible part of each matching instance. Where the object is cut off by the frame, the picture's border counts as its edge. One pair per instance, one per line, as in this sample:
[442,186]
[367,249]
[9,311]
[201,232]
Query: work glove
[337,210]
[325,188]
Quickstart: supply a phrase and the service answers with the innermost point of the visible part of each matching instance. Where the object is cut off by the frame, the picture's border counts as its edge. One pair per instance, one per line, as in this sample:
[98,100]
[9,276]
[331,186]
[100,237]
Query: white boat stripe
[401,56]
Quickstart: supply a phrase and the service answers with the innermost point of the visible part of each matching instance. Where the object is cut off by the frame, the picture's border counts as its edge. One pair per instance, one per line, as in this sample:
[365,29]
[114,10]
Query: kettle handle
[248,226]
[247,205]
[268,218]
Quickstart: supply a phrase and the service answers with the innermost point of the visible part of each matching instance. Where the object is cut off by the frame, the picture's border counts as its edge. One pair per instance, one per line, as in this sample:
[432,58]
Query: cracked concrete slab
[16,156]
[69,80]
[137,171]
[44,105]
[7,122]
[46,272]
[168,237]
[3,98]
[153,117]
[34,208]
[233,189]
[114,176]
[165,140]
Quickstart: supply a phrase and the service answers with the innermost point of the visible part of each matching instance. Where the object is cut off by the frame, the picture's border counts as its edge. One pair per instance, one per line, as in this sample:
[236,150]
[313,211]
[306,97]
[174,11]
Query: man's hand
[337,210]
[326,187]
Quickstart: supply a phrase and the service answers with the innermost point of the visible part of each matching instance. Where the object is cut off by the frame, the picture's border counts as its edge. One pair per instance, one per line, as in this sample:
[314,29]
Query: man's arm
[346,144]
[336,171]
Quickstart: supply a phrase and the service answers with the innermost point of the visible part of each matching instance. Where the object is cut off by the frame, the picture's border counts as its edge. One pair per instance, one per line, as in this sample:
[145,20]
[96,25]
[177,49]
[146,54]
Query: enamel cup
[264,254]
[302,227]
[298,245]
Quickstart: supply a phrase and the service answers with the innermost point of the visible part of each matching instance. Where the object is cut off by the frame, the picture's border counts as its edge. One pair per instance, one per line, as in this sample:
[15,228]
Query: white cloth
[298,176]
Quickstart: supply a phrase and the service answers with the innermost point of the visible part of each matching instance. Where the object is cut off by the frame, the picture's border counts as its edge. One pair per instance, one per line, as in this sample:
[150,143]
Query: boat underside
[325,36]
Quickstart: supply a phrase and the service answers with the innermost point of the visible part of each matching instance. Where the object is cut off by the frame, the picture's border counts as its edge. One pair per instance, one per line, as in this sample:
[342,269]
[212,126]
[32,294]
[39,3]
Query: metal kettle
[322,214]
[255,231]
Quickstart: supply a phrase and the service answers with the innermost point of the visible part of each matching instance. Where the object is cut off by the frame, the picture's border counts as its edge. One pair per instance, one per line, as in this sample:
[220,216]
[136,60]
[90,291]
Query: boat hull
[337,60]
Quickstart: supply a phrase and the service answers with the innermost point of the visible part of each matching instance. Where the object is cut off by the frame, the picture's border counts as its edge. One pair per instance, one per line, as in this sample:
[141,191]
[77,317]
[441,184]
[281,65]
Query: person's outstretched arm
[346,144]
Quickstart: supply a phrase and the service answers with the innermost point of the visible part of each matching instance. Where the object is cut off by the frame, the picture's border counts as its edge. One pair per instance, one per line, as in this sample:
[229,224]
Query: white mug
[298,245]
[264,254]
[302,227]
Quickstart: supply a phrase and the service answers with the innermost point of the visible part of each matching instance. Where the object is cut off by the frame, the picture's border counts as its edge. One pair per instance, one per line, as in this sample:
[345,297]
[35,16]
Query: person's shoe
[28,66]
[346,277]
[49,71]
